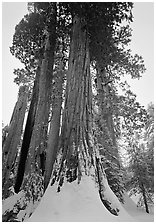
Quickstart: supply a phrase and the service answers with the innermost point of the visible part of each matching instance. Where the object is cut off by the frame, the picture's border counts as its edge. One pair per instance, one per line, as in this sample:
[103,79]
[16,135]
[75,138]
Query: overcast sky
[142,44]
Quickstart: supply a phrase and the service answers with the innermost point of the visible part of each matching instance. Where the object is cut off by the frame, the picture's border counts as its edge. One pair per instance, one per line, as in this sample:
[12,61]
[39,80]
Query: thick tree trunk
[37,141]
[77,110]
[34,168]
[41,120]
[53,137]
[77,143]
[14,135]
[27,133]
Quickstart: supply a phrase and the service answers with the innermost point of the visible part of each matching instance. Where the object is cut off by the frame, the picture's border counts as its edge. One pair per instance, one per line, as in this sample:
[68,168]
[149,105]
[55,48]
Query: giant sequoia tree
[34,138]
[59,43]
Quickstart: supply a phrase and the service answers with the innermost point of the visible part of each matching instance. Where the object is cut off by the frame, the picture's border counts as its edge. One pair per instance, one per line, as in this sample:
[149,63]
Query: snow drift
[75,202]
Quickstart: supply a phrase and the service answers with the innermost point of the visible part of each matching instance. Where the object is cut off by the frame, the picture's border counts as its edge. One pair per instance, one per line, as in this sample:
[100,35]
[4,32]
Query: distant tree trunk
[27,133]
[144,196]
[14,135]
[106,124]
[105,104]
[106,109]
[53,137]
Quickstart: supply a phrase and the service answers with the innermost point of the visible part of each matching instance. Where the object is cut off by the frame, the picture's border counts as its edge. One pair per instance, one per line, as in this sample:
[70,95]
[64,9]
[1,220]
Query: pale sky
[142,44]
[12,13]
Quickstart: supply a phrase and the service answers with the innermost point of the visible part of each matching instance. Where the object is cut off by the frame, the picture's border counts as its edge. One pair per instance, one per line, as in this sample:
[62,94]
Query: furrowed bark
[53,138]
[36,155]
[27,133]
[14,135]
[37,143]
[77,114]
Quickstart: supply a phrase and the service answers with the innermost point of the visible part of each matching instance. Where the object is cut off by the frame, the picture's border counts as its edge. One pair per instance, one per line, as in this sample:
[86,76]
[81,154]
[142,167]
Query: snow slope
[77,203]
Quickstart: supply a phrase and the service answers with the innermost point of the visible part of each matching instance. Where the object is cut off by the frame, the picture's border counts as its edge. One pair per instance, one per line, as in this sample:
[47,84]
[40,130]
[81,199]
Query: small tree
[140,180]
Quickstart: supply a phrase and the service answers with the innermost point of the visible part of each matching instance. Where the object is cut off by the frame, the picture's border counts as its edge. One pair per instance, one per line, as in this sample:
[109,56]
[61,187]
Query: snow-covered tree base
[75,202]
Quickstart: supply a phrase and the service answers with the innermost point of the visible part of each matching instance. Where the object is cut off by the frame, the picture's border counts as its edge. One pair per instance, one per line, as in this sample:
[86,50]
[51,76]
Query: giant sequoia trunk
[76,120]
[34,169]
[27,133]
[78,146]
[34,155]
[53,138]
[14,135]
[37,140]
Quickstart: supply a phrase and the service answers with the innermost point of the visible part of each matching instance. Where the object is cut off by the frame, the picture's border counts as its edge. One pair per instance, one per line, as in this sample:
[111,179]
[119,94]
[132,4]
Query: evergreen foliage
[141,162]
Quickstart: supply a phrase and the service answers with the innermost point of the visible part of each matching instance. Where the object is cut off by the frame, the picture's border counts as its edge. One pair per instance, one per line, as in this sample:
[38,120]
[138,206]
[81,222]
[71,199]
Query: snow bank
[77,203]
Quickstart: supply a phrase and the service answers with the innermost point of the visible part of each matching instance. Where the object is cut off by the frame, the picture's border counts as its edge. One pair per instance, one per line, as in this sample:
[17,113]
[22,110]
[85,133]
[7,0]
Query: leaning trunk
[14,135]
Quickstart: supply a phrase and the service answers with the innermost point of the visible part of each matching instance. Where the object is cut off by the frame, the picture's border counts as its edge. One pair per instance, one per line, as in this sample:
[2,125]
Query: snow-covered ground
[81,203]
[138,214]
